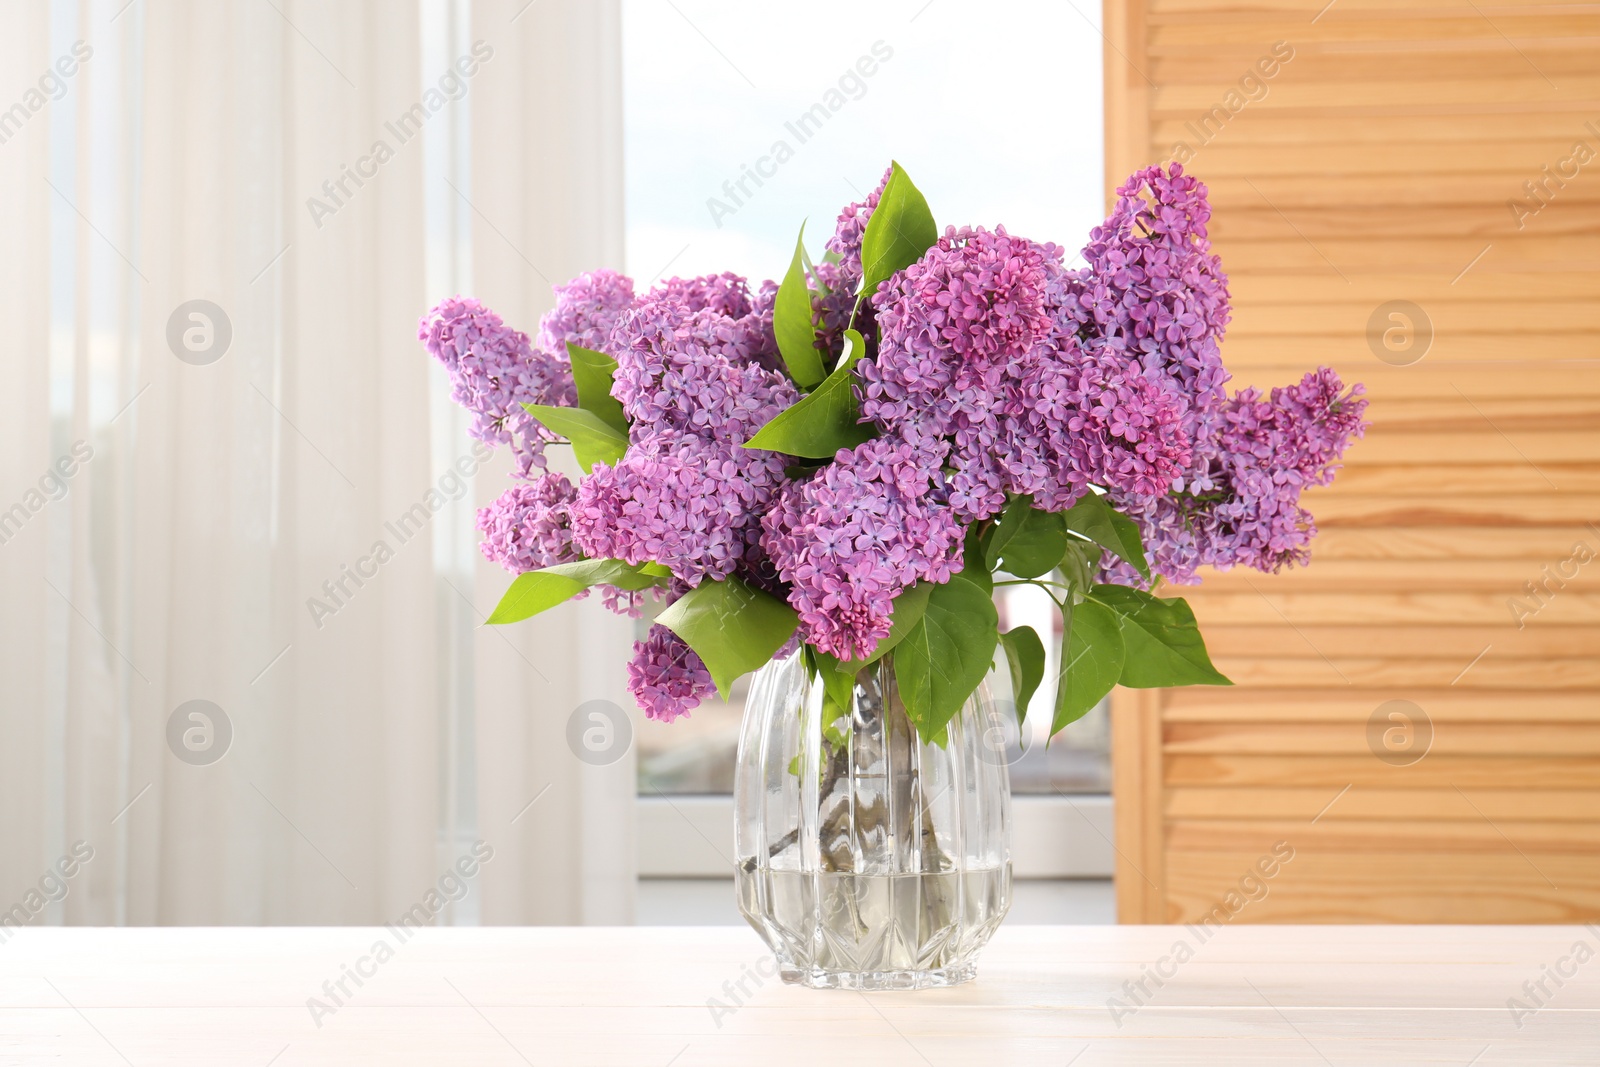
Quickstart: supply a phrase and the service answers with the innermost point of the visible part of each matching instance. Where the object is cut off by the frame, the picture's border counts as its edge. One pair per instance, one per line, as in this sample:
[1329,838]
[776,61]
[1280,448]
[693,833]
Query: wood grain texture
[1218,992]
[1423,151]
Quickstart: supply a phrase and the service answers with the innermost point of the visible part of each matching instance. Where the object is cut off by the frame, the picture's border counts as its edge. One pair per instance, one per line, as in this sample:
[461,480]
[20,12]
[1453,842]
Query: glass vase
[865,857]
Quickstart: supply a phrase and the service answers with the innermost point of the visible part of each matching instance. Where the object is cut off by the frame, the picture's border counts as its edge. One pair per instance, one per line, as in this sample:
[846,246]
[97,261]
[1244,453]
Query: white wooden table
[649,997]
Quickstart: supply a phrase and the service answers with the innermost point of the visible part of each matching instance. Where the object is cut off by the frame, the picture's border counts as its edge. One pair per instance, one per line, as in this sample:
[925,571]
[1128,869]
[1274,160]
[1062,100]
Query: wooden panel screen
[1409,192]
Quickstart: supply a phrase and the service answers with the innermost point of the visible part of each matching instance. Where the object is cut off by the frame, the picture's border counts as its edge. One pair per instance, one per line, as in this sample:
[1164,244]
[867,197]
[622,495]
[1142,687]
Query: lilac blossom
[727,294]
[1064,421]
[1153,290]
[690,372]
[529,527]
[666,676]
[586,314]
[948,325]
[691,504]
[974,346]
[494,371]
[852,227]
[856,534]
[1265,452]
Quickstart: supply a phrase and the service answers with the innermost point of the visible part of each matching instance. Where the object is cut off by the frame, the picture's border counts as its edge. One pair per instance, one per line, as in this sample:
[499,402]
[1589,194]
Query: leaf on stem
[735,628]
[593,372]
[1092,655]
[824,420]
[593,439]
[1025,658]
[1163,640]
[948,652]
[540,590]
[1094,518]
[1026,542]
[793,324]
[900,230]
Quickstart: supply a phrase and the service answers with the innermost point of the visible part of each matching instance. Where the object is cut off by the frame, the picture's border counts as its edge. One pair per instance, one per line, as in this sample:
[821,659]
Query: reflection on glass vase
[866,858]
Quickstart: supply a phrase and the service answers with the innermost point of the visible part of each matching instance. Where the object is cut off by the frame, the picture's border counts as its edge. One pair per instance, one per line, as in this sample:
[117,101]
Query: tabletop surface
[684,996]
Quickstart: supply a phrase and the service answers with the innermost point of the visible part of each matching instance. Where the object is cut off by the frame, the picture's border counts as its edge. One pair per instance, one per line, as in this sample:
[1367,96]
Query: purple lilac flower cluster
[587,311]
[856,534]
[992,371]
[696,377]
[529,527]
[493,371]
[1153,291]
[1265,452]
[851,227]
[692,504]
[690,379]
[980,341]
[666,677]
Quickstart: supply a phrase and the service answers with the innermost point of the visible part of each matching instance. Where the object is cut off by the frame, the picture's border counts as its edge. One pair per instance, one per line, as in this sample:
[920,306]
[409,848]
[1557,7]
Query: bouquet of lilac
[845,464]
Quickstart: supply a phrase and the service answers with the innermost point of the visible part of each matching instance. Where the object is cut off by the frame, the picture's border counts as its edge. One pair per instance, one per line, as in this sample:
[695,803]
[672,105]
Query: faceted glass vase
[866,858]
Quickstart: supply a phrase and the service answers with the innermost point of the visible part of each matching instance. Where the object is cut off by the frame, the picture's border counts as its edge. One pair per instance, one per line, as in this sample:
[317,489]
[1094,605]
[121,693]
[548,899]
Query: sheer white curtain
[220,542]
[546,204]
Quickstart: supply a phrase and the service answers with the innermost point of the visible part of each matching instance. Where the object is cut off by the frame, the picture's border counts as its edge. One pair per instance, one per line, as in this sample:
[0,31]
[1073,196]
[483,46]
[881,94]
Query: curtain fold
[265,526]
[547,205]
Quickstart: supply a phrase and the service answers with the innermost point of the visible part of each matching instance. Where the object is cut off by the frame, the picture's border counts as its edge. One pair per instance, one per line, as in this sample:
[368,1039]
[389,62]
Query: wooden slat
[1422,480]
[1329,573]
[1481,316]
[1400,607]
[1474,887]
[1539,544]
[1394,132]
[1312,65]
[1303,10]
[1441,705]
[1473,834]
[1336,772]
[1245,34]
[1549,508]
[1456,644]
[1382,805]
[1349,738]
[1495,670]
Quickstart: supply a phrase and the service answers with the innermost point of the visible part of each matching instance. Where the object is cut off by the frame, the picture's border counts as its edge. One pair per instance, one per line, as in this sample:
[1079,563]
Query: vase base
[879,980]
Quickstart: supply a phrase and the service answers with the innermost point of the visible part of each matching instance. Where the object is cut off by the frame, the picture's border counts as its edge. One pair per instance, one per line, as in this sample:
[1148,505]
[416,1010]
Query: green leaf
[1025,657]
[973,553]
[734,627]
[1094,518]
[1164,643]
[1092,656]
[593,372]
[541,590]
[792,322]
[900,230]
[1079,565]
[823,421]
[838,683]
[593,439]
[1027,542]
[947,653]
